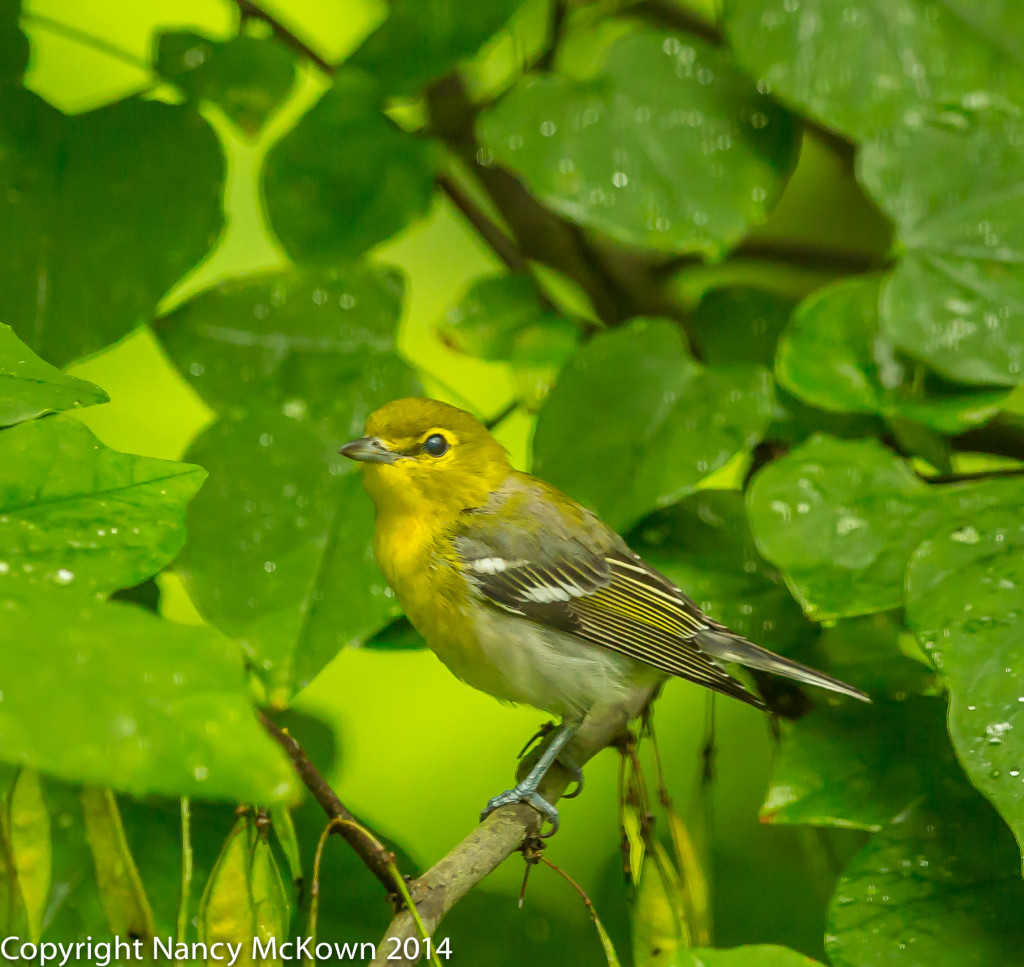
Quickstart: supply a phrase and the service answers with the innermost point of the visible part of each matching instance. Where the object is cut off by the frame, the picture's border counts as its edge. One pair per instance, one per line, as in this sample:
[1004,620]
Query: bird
[527,595]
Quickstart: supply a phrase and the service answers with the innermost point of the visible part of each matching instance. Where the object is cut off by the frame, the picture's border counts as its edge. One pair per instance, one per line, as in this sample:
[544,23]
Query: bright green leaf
[660,927]
[670,147]
[247,77]
[98,226]
[423,39]
[755,955]
[841,519]
[271,909]
[704,545]
[956,297]
[154,707]
[117,877]
[940,886]
[345,178]
[634,423]
[30,387]
[965,602]
[73,512]
[860,66]
[227,912]
[27,825]
[833,356]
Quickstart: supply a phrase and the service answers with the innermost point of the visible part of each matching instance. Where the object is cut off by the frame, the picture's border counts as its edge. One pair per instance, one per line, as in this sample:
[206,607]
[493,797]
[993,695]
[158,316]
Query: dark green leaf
[423,39]
[841,519]
[669,147]
[14,50]
[313,342]
[30,387]
[861,66]
[940,886]
[634,423]
[98,226]
[247,77]
[73,512]
[833,356]
[965,601]
[399,635]
[740,325]
[704,545]
[955,299]
[856,765]
[280,545]
[345,178]
[154,707]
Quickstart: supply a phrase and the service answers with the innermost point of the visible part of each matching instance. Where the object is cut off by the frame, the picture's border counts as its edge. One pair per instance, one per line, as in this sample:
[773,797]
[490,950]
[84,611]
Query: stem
[376,858]
[186,869]
[502,245]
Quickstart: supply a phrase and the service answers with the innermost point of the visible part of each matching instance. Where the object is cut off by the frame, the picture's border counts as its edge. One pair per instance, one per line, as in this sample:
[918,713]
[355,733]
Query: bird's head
[420,451]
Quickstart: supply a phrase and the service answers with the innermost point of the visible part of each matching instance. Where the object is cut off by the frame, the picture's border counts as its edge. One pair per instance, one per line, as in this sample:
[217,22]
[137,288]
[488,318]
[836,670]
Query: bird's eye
[435,445]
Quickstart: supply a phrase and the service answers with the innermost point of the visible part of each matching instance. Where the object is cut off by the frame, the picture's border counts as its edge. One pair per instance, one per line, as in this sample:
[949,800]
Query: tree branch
[250,9]
[1003,436]
[493,841]
[376,859]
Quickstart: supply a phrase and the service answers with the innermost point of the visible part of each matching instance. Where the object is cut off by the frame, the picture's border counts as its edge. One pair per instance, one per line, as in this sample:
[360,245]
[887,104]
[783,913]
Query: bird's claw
[529,796]
[578,779]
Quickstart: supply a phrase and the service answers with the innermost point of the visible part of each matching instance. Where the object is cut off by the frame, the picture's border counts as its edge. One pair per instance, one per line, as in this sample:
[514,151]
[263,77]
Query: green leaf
[964,601]
[120,887]
[670,147]
[939,886]
[247,77]
[740,324]
[312,342]
[154,707]
[14,51]
[956,298]
[1000,22]
[399,635]
[855,766]
[30,387]
[861,66]
[423,39]
[841,519]
[271,909]
[280,549]
[345,178]
[27,825]
[833,356]
[634,423]
[227,912]
[73,512]
[98,226]
[660,928]
[704,545]
[754,955]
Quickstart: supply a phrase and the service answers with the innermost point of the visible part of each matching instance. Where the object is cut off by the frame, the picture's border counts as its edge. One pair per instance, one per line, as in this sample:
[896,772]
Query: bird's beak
[368,449]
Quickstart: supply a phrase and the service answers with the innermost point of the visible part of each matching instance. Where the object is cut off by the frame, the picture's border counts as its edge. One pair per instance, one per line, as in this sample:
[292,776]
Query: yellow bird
[525,594]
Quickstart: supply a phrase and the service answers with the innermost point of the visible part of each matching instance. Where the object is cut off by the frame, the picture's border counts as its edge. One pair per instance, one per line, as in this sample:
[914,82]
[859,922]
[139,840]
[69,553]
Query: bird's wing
[577,576]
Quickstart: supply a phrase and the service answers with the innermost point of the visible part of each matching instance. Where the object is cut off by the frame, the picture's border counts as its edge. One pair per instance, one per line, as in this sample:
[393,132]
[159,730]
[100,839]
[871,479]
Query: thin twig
[374,856]
[489,231]
[250,9]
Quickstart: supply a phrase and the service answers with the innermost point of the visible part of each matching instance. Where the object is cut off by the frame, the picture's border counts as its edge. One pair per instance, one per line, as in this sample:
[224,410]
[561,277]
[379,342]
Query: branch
[251,10]
[499,242]
[1003,435]
[377,859]
[492,842]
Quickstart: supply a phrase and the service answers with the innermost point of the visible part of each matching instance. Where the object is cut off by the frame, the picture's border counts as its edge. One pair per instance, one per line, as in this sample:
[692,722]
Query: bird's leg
[526,791]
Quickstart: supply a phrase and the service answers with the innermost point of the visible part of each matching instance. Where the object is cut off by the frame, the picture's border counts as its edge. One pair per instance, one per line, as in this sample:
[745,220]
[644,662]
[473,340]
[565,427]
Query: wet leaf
[704,545]
[955,298]
[856,766]
[861,66]
[965,602]
[27,827]
[740,324]
[76,514]
[98,226]
[833,356]
[840,519]
[345,178]
[175,716]
[247,77]
[423,39]
[30,387]
[121,890]
[939,886]
[634,423]
[669,147]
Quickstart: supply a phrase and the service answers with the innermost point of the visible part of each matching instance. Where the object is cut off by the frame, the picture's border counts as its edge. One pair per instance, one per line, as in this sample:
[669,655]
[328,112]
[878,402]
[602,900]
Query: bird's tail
[730,647]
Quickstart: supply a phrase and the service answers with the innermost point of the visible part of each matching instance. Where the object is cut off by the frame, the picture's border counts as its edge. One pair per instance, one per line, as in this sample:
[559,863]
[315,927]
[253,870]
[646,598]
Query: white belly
[553,671]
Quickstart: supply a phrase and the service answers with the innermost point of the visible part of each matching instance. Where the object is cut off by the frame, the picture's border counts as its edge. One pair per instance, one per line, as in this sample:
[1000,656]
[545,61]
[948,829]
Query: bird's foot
[527,793]
[577,776]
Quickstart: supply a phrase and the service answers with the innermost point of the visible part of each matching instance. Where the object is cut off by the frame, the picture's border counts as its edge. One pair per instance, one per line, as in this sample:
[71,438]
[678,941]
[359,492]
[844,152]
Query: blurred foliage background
[772,249]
